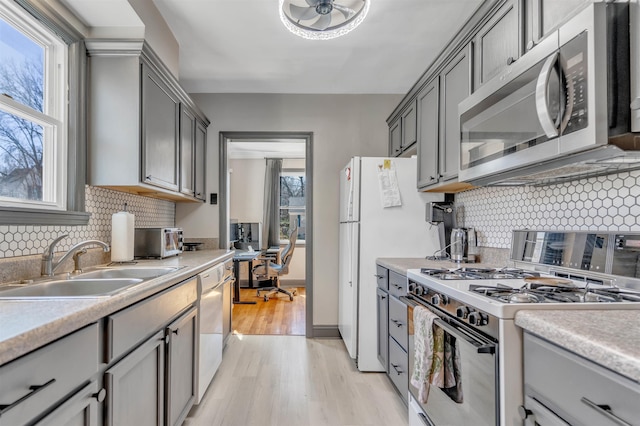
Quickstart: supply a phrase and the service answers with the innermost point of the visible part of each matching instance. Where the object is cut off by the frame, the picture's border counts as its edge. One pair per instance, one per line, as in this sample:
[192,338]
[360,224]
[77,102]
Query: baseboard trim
[326,331]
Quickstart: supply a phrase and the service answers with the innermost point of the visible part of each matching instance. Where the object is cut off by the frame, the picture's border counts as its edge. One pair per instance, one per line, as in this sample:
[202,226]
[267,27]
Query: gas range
[547,270]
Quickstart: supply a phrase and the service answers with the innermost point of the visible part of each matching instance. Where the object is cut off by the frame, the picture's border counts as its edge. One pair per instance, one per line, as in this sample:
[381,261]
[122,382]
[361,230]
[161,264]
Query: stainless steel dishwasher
[211,284]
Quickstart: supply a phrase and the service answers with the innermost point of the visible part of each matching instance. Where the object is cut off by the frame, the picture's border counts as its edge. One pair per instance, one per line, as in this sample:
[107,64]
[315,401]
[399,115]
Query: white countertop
[609,338]
[26,325]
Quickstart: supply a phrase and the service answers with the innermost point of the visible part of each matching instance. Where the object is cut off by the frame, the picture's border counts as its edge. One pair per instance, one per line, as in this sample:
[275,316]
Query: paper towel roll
[122,234]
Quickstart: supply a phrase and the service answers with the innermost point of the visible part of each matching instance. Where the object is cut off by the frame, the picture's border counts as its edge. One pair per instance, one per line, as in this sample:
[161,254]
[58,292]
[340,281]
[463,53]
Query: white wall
[342,126]
[246,189]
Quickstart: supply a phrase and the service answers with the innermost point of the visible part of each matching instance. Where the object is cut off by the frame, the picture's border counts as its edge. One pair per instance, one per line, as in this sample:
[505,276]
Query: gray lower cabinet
[151,350]
[561,386]
[160,124]
[393,336]
[383,327]
[181,367]
[135,386]
[36,384]
[79,410]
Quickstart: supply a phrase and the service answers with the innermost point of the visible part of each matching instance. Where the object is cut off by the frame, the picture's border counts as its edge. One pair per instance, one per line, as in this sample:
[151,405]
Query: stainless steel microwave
[561,111]
[157,242]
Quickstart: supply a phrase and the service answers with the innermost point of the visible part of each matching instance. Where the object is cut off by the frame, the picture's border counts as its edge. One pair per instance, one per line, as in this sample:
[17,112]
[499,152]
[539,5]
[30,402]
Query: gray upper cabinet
[187,151]
[428,134]
[200,162]
[497,44]
[544,16]
[455,87]
[136,108]
[403,131]
[395,139]
[160,108]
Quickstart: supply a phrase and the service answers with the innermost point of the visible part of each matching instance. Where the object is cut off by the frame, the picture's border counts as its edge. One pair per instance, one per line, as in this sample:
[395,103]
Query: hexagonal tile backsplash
[604,203]
[101,203]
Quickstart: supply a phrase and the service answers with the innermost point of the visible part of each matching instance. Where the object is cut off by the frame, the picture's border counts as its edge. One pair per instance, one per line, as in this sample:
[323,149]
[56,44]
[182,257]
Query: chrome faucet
[49,267]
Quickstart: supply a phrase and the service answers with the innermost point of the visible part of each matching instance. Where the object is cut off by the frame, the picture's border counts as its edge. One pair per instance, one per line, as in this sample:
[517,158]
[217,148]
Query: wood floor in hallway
[292,380]
[278,315]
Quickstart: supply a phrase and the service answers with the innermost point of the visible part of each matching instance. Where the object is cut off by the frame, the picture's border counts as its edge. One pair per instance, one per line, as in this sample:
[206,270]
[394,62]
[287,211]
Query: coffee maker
[457,244]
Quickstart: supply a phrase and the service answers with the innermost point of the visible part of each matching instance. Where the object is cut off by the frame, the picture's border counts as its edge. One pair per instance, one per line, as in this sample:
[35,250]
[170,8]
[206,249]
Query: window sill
[18,216]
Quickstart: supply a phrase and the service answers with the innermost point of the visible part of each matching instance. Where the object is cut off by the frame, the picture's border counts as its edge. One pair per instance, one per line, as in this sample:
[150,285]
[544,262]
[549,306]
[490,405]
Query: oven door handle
[481,346]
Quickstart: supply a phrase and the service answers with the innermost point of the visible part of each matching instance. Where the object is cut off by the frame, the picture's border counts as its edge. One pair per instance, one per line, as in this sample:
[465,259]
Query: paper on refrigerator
[388,180]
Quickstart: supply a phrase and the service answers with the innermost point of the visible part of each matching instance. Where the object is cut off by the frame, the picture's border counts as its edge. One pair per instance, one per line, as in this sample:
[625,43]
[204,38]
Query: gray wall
[343,126]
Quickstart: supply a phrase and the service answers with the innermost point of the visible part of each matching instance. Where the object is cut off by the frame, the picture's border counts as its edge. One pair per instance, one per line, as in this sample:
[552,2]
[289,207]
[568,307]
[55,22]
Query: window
[41,166]
[292,203]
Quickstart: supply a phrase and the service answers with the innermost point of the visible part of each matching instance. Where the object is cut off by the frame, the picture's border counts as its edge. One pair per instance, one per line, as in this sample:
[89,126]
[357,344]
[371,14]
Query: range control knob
[478,319]
[417,290]
[462,312]
[438,299]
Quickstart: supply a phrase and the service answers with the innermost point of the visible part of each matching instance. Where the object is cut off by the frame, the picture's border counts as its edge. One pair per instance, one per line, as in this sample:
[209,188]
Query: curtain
[271,208]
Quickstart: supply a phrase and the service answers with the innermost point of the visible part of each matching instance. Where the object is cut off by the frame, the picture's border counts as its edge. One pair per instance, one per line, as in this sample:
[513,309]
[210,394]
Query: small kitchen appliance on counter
[477,306]
[158,242]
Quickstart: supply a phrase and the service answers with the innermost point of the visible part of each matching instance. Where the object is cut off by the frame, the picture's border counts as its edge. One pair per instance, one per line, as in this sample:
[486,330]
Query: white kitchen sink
[141,272]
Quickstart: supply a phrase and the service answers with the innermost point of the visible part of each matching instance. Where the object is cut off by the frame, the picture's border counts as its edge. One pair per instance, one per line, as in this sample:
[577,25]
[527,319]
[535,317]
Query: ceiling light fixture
[322,19]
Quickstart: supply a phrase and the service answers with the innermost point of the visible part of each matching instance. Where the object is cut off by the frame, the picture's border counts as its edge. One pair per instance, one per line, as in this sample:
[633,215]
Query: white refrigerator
[369,231]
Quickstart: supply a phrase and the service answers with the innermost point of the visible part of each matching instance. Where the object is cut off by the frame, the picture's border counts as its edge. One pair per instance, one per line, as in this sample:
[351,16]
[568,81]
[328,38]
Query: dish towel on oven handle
[436,358]
[423,341]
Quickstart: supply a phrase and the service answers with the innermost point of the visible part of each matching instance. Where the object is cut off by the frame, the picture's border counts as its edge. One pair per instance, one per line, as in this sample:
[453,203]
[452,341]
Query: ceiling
[241,46]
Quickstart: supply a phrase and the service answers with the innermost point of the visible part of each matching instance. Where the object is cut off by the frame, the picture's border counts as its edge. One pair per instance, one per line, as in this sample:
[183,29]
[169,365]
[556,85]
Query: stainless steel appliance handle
[542,93]
[571,98]
[605,410]
[481,346]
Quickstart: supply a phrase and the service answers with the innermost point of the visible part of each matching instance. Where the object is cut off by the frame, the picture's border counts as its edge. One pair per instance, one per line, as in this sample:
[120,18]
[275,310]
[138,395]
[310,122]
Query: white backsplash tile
[603,203]
[101,203]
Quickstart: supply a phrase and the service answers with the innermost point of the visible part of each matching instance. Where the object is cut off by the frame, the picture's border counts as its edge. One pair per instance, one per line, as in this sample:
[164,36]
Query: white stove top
[460,290]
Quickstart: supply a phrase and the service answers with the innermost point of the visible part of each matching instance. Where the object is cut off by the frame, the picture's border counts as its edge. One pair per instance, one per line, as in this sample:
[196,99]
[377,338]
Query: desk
[242,256]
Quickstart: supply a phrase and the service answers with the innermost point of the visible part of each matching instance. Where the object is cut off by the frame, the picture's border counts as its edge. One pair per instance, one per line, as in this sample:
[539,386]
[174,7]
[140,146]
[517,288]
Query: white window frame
[54,117]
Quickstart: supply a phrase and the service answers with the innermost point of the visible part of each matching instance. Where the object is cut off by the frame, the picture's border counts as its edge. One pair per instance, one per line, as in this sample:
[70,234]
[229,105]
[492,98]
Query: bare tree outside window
[292,205]
[21,140]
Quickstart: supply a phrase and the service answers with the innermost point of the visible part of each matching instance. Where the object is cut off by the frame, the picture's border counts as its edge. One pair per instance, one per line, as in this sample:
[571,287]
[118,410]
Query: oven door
[479,373]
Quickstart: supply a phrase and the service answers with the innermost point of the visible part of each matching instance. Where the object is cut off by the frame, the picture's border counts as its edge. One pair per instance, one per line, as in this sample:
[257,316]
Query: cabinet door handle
[605,410]
[100,395]
[510,60]
[398,370]
[378,276]
[175,331]
[383,297]
[34,390]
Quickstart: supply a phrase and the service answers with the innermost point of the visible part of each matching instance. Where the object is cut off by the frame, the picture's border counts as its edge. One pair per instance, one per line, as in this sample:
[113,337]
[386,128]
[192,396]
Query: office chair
[272,272]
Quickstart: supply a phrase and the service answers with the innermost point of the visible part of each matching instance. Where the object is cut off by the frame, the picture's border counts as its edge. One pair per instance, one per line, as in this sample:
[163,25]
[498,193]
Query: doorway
[295,149]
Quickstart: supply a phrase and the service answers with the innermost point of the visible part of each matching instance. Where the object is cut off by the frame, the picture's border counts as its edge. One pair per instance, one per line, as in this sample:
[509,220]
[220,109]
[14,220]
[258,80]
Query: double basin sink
[100,282]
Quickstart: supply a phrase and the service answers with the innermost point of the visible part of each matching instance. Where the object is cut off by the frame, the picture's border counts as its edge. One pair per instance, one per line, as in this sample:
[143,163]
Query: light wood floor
[292,380]
[278,315]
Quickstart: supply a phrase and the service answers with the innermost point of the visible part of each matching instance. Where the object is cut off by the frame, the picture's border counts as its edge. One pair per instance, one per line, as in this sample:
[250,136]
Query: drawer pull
[398,370]
[378,276]
[605,410]
[397,323]
[34,390]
